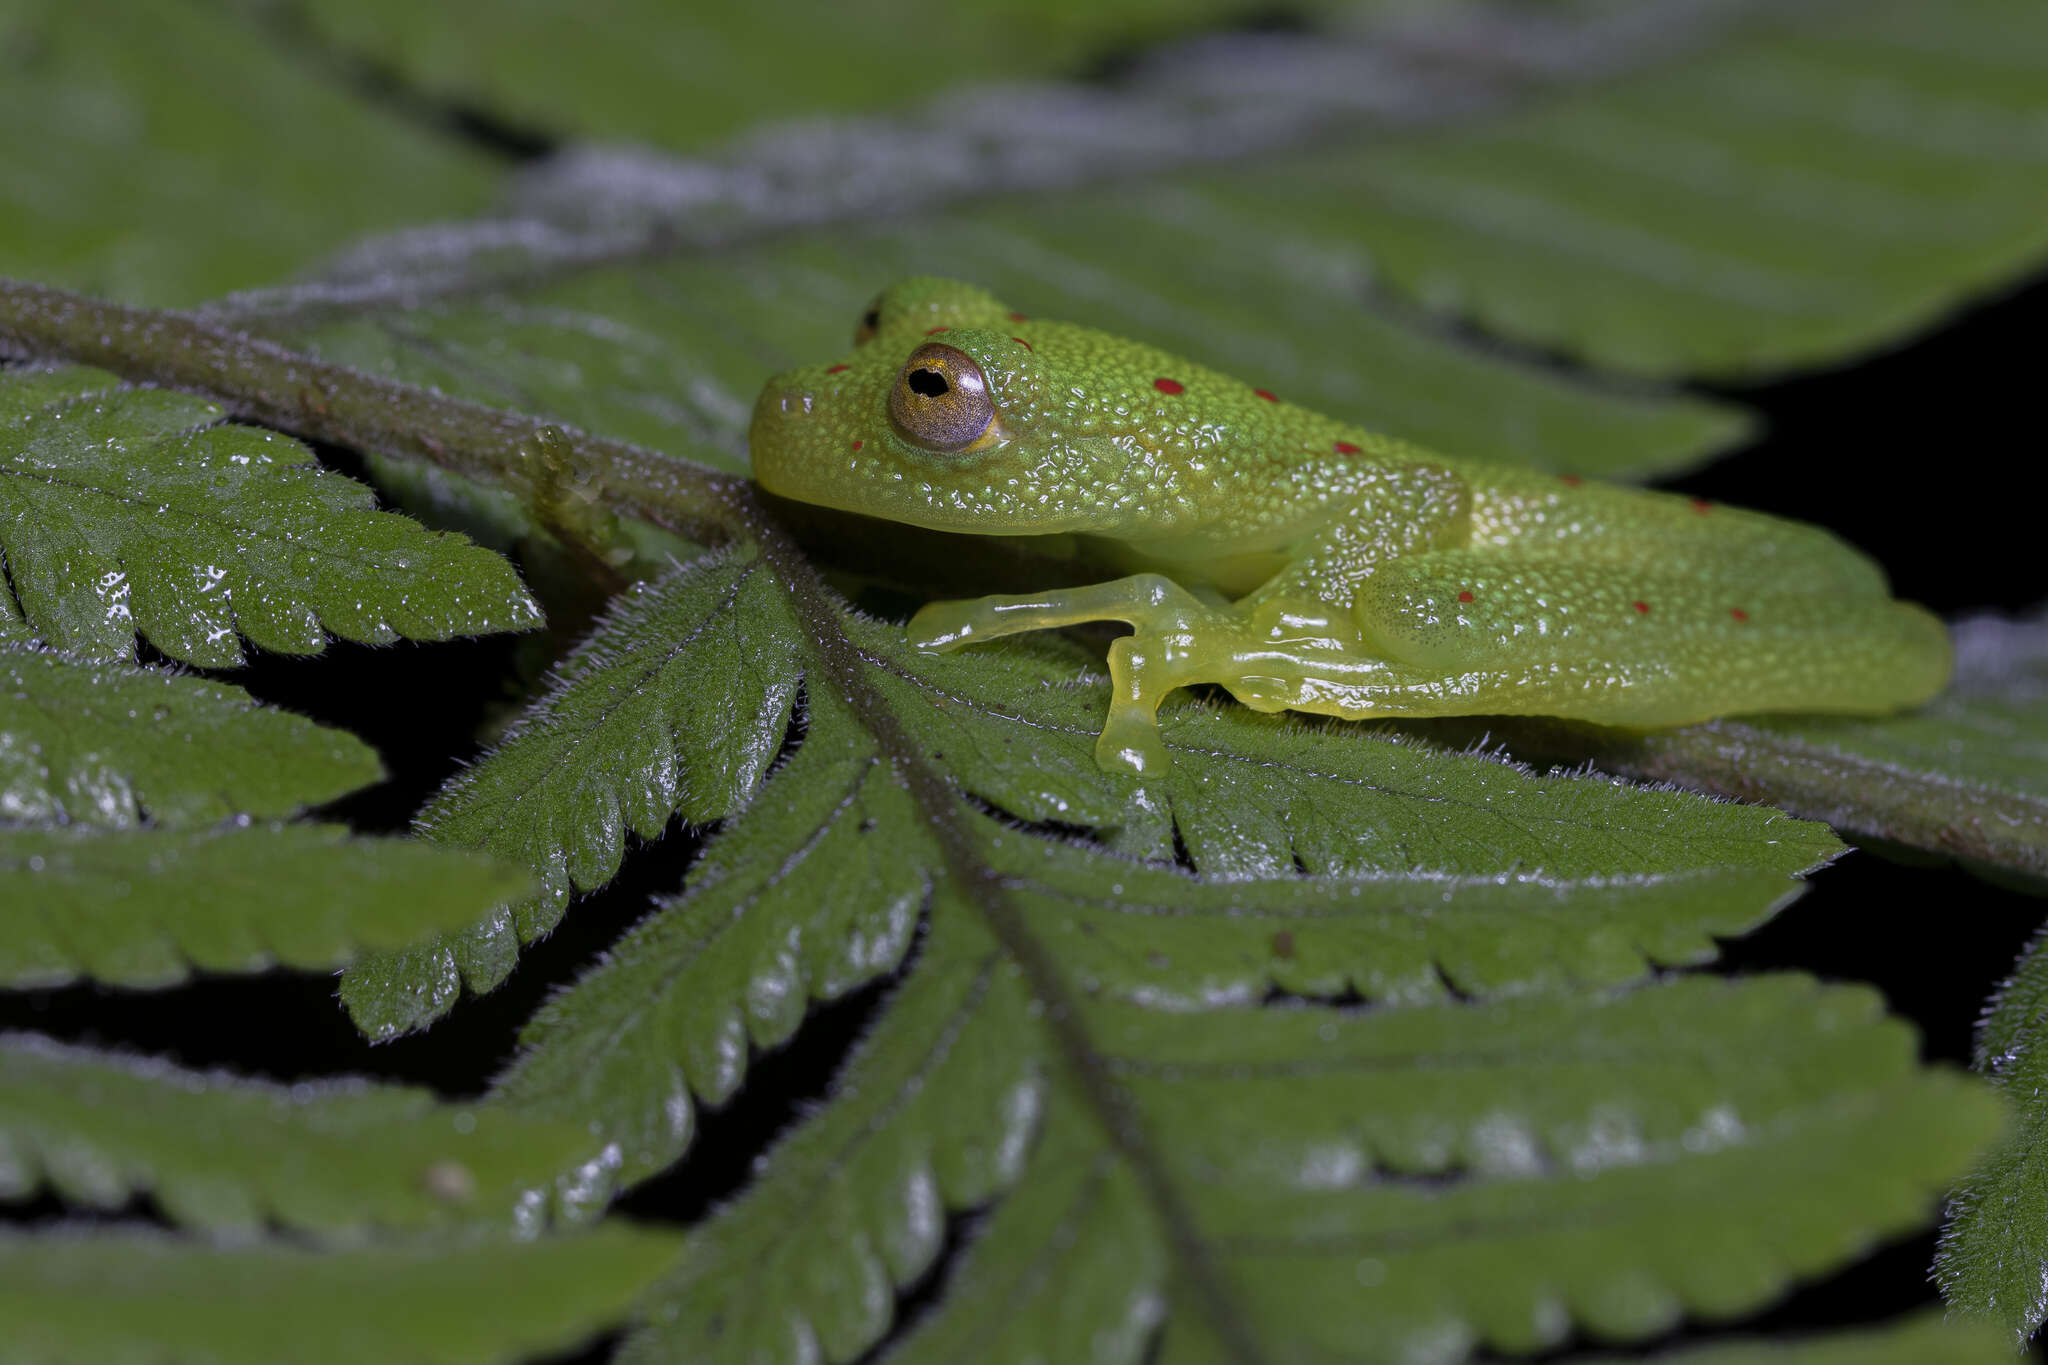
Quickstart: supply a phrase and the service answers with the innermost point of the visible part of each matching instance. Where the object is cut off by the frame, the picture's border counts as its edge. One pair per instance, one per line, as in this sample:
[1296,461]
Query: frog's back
[1100,384]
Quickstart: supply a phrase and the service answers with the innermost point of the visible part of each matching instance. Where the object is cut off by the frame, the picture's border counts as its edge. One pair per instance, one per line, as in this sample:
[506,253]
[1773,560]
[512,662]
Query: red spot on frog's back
[1465,596]
[1266,394]
[1737,613]
[1702,506]
[1019,317]
[1344,447]
[835,369]
[1642,607]
[1570,480]
[1169,387]
[1022,342]
[936,330]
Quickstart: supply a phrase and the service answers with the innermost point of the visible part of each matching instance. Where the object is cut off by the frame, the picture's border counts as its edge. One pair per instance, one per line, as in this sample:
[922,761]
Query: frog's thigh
[1481,632]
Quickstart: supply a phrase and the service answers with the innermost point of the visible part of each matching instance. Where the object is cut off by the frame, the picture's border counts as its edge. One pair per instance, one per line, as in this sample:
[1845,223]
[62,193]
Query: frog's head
[955,413]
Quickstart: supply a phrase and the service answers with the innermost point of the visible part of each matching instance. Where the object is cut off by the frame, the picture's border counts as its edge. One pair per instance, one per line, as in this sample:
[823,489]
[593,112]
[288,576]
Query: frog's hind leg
[1480,632]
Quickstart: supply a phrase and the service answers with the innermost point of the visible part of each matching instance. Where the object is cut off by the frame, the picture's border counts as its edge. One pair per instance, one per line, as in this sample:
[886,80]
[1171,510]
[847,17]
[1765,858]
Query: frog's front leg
[1145,601]
[1293,643]
[1175,643]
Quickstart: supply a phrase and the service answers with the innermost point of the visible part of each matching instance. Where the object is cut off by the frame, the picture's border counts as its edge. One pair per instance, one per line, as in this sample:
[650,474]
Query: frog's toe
[1263,693]
[1141,673]
[951,624]
[942,626]
[1130,743]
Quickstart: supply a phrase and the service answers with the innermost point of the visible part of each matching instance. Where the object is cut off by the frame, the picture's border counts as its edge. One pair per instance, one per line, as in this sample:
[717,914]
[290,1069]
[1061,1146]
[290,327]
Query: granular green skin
[1304,564]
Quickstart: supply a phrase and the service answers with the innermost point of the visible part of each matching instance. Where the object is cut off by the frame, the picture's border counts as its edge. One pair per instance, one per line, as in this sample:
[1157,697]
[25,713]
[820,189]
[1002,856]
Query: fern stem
[264,382]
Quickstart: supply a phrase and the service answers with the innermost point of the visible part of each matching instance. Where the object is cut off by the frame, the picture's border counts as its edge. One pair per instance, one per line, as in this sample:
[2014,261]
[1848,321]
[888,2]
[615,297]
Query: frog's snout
[785,400]
[781,402]
[779,431]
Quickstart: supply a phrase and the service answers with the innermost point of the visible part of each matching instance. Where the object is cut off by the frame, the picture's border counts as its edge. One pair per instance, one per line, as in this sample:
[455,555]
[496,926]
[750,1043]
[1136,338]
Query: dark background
[1910,455]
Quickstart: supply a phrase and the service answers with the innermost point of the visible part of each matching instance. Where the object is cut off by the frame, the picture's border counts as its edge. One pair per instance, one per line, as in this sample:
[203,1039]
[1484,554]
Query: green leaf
[1809,188]
[723,69]
[139,183]
[814,889]
[1177,941]
[144,907]
[936,1111]
[1097,1292]
[675,706]
[1993,1261]
[1614,1173]
[1915,1340]
[1967,774]
[88,1295]
[111,744]
[340,1159]
[130,510]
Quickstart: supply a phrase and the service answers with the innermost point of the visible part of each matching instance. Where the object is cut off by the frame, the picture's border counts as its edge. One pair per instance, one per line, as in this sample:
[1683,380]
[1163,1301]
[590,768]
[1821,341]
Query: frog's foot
[1170,649]
[1142,670]
[1146,601]
[1266,669]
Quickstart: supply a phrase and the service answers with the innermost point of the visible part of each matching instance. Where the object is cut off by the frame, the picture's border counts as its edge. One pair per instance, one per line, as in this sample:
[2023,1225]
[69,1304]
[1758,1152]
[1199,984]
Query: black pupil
[930,383]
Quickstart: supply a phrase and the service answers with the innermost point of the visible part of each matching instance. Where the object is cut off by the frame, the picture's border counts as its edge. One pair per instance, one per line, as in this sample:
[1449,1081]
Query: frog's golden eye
[869,321]
[941,400]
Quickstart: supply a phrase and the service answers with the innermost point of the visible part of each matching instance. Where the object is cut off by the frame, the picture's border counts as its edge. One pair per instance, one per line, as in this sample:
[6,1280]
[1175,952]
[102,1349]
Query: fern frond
[1367,1185]
[145,907]
[674,706]
[86,1296]
[343,1159]
[1993,1261]
[129,510]
[113,744]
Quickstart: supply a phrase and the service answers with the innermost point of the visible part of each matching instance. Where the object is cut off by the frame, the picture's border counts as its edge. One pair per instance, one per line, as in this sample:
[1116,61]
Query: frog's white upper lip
[806,398]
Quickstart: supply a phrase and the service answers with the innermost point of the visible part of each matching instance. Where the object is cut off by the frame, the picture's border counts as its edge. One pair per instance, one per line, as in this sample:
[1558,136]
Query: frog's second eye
[941,400]
[869,321]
